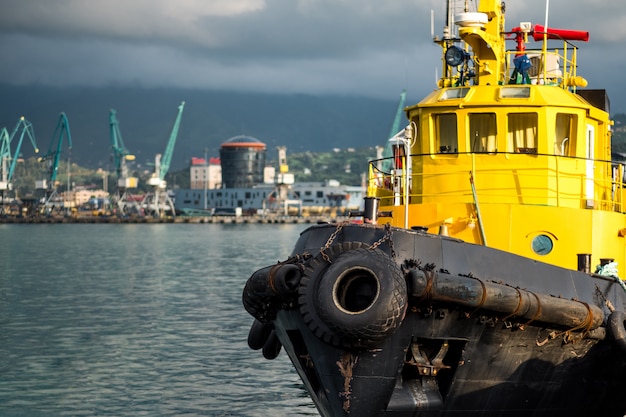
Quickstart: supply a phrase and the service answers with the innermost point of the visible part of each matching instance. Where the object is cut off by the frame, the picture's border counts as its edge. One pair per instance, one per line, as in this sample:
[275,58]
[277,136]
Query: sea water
[138,320]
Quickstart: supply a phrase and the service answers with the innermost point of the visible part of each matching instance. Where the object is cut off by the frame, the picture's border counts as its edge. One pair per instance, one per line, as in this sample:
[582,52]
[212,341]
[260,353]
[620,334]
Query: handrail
[567,65]
[558,181]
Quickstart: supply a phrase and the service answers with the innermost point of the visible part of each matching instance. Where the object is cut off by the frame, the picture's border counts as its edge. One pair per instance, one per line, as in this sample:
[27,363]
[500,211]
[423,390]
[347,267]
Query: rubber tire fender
[269,286]
[357,300]
[272,346]
[616,324]
[258,335]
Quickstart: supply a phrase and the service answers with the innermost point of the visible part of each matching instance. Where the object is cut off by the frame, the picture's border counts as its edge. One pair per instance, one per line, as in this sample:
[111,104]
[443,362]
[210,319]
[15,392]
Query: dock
[254,219]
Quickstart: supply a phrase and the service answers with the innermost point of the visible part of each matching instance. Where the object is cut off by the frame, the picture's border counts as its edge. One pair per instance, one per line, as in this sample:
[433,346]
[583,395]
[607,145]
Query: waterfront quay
[268,219]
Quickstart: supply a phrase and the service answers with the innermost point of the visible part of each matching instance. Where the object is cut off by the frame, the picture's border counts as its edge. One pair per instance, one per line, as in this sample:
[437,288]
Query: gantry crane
[395,128]
[157,202]
[125,205]
[49,202]
[8,161]
[5,158]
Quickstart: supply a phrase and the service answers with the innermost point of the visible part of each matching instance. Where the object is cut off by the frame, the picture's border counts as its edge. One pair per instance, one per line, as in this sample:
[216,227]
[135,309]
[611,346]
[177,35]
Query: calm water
[138,320]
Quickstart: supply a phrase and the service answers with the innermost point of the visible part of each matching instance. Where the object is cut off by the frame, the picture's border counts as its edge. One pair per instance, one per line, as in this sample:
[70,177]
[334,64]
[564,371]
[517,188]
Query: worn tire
[617,328]
[259,333]
[272,346]
[357,300]
[268,287]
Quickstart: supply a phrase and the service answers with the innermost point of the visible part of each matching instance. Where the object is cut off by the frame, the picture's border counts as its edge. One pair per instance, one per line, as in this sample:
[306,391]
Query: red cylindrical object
[565,34]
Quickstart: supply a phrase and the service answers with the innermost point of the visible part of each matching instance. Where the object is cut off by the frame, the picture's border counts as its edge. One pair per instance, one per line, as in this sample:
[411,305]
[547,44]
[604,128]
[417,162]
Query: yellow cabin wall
[519,195]
[512,227]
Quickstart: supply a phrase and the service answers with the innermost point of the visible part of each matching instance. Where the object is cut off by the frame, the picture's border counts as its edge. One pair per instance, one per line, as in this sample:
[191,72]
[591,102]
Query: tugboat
[482,277]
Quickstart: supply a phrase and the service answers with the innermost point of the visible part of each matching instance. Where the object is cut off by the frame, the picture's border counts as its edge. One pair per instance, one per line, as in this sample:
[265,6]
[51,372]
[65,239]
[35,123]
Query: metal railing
[508,178]
[551,67]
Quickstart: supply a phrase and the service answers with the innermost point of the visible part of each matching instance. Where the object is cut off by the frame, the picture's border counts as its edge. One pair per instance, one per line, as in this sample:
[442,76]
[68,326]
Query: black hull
[464,330]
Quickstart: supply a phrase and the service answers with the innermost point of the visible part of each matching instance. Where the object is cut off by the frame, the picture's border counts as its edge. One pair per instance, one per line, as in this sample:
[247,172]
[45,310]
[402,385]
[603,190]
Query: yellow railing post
[371,181]
[405,175]
[558,181]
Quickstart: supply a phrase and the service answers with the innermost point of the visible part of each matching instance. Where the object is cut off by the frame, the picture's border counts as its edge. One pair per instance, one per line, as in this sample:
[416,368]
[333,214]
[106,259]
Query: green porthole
[542,244]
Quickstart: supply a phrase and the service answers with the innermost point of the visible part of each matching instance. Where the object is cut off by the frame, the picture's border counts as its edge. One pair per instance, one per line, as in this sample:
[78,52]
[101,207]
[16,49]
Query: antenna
[432,23]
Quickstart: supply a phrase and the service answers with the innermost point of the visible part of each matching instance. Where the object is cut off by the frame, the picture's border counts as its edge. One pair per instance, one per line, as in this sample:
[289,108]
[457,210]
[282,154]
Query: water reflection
[138,320]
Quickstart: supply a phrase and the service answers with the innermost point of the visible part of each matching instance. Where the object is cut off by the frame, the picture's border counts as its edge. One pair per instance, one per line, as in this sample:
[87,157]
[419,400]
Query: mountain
[299,122]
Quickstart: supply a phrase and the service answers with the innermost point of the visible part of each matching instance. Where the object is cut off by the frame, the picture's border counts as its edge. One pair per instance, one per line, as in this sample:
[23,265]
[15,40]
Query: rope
[518,308]
[567,334]
[430,277]
[587,323]
[483,297]
[270,279]
[538,313]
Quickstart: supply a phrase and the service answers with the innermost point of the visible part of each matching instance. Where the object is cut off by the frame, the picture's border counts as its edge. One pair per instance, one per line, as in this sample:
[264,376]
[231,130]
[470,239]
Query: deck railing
[505,178]
[550,67]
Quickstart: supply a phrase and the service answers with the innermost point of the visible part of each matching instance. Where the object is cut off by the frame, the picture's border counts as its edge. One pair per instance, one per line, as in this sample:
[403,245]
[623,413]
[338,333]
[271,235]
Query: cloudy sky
[368,47]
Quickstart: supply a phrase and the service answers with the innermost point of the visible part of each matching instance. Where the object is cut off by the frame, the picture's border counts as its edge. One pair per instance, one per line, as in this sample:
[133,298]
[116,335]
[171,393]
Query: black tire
[268,287]
[272,346]
[357,300]
[284,280]
[259,333]
[617,328]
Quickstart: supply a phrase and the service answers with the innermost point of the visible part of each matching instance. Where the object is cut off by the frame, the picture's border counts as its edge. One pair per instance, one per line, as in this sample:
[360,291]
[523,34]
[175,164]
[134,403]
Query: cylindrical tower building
[243,161]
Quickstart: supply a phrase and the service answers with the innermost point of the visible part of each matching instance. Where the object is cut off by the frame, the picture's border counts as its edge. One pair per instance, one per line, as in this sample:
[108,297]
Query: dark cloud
[313,46]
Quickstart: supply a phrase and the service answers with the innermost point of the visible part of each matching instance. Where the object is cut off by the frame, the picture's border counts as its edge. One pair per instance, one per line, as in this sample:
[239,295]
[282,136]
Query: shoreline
[178,219]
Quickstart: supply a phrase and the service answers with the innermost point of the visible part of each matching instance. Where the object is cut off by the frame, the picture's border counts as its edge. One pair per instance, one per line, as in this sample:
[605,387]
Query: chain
[386,237]
[330,240]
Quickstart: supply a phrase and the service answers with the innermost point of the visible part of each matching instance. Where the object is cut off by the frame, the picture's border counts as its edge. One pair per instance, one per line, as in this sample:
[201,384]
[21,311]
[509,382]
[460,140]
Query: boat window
[482,131]
[446,133]
[515,92]
[542,244]
[453,93]
[522,132]
[565,135]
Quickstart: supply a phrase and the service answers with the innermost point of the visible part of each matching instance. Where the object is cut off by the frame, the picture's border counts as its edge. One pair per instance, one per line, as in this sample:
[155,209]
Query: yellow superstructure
[509,152]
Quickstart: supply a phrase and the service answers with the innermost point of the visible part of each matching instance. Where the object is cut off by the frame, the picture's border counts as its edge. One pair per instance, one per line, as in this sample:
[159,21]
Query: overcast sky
[367,47]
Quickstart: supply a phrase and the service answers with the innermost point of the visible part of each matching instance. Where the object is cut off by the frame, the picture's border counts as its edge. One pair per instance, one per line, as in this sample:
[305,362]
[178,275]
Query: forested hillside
[300,122]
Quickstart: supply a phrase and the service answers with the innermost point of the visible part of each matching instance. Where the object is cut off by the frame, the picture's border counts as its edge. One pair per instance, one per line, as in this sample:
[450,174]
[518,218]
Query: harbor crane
[5,158]
[53,157]
[158,202]
[395,128]
[8,161]
[125,205]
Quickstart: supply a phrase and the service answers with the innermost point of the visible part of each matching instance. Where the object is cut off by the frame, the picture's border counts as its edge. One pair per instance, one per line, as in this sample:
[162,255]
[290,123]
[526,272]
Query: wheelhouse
[514,156]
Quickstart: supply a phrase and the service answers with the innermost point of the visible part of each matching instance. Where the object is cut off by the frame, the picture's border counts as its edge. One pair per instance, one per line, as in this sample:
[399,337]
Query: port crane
[52,157]
[5,157]
[8,161]
[395,128]
[124,203]
[158,202]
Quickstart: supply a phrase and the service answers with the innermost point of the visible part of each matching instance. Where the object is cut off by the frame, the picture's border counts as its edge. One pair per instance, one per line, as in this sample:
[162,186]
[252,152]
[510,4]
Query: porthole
[542,244]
